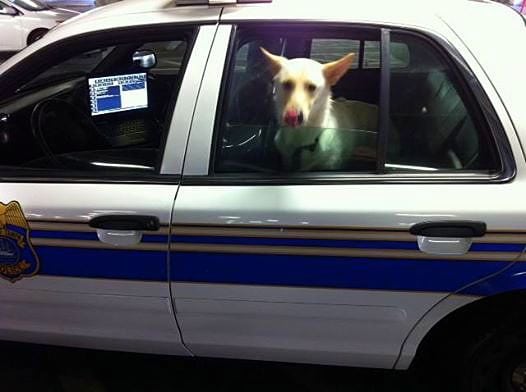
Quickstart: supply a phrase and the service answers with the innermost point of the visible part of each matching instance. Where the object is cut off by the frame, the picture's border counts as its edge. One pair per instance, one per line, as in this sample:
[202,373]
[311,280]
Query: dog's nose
[293,118]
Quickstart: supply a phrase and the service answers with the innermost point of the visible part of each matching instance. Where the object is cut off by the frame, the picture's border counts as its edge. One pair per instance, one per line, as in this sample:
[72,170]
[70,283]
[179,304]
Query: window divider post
[385,92]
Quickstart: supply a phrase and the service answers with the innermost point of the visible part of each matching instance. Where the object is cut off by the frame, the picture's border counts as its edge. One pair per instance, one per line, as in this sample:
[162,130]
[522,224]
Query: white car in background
[22,22]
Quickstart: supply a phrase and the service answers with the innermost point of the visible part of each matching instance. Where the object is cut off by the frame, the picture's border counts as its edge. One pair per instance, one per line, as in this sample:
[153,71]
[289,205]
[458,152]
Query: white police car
[145,208]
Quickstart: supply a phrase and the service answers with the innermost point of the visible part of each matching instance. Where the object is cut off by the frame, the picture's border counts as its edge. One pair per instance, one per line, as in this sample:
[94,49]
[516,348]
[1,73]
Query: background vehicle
[137,161]
[22,22]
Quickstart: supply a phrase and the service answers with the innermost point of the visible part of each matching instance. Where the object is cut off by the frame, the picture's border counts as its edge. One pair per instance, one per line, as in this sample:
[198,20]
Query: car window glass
[399,55]
[105,110]
[3,6]
[429,116]
[325,50]
[80,65]
[281,114]
[31,5]
[252,139]
[170,56]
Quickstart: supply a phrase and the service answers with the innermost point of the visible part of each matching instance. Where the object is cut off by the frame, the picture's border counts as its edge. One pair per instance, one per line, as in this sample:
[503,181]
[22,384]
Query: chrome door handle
[119,237]
[444,246]
[447,238]
[123,230]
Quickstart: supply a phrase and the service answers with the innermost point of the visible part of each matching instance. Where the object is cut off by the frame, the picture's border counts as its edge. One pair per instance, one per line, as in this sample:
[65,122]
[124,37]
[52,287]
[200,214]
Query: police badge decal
[18,259]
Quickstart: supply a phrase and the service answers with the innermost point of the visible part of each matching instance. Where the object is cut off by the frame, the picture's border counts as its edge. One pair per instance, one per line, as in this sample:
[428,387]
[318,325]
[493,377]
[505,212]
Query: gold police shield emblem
[18,259]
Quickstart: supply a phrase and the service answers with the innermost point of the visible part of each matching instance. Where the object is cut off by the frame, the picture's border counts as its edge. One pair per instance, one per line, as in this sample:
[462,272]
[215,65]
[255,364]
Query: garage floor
[44,369]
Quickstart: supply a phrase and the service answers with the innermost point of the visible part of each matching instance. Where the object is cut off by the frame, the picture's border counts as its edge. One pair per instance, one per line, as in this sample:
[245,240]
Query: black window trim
[106,37]
[480,103]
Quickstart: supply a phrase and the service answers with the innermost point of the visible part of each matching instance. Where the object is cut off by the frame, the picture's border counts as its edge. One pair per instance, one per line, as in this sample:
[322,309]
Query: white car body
[16,30]
[362,326]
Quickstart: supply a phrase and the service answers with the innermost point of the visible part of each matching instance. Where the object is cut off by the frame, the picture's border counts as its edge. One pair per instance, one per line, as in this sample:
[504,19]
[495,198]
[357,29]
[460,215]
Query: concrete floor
[25,368]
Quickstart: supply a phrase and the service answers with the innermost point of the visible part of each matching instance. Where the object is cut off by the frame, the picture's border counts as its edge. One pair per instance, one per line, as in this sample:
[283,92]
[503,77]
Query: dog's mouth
[293,118]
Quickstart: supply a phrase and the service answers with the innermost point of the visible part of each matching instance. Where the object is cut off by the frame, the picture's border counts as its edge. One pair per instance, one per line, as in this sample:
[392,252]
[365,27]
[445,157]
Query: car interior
[50,123]
[430,126]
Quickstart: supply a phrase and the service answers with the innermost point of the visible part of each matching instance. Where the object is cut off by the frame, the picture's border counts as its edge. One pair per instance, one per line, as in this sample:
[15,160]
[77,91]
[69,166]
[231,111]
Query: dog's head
[303,86]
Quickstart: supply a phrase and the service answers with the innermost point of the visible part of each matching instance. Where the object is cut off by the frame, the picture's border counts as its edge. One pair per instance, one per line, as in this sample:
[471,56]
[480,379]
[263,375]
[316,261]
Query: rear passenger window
[303,100]
[104,110]
[432,127]
[253,136]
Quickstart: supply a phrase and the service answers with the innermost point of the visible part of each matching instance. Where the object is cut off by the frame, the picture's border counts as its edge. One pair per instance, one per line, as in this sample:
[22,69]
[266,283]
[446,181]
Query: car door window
[430,117]
[433,121]
[3,8]
[103,110]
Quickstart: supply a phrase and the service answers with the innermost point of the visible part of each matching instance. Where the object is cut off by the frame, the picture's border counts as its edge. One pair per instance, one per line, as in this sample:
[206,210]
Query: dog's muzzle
[293,118]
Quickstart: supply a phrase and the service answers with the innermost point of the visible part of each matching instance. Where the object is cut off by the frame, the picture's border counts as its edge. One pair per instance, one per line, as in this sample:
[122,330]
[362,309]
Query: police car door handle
[123,230]
[456,229]
[447,238]
[126,222]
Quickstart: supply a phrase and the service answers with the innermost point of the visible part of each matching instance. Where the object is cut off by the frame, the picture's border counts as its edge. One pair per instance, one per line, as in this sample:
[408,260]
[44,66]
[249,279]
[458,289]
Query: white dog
[317,132]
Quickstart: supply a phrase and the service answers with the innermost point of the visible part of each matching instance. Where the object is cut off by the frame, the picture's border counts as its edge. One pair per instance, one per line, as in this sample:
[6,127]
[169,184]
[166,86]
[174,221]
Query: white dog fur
[325,134]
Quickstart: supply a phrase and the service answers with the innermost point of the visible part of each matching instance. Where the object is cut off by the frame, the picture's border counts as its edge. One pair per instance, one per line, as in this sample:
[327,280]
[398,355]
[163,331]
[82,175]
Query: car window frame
[65,48]
[3,4]
[477,103]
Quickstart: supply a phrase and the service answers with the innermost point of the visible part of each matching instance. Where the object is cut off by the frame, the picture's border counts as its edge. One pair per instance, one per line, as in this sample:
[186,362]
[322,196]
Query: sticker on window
[119,93]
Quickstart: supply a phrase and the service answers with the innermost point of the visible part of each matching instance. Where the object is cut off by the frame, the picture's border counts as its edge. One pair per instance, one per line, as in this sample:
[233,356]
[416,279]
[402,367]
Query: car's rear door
[320,266]
[85,207]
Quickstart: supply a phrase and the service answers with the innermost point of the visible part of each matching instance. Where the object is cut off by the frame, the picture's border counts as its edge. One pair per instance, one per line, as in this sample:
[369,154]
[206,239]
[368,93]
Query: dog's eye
[310,87]
[288,85]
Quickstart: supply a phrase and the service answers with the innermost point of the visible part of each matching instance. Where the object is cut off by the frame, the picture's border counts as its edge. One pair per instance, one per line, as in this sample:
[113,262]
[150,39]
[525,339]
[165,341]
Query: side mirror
[10,11]
[145,59]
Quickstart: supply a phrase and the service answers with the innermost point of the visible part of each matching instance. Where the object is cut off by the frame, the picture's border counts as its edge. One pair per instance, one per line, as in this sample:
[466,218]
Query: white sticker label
[113,94]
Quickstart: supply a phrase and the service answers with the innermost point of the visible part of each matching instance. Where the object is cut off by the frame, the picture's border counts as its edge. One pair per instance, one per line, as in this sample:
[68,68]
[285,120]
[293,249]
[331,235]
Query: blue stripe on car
[330,272]
[102,263]
[279,270]
[292,271]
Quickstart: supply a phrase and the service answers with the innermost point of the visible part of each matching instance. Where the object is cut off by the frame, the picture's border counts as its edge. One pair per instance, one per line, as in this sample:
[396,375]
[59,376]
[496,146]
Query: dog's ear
[275,62]
[335,70]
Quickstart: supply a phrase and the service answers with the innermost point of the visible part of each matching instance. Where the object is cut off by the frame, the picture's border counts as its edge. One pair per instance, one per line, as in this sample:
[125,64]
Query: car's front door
[289,263]
[10,29]
[84,205]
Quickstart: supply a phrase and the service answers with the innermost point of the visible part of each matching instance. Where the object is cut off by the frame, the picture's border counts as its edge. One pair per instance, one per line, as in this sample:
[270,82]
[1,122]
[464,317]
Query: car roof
[387,11]
[416,13]
[429,15]
[424,14]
